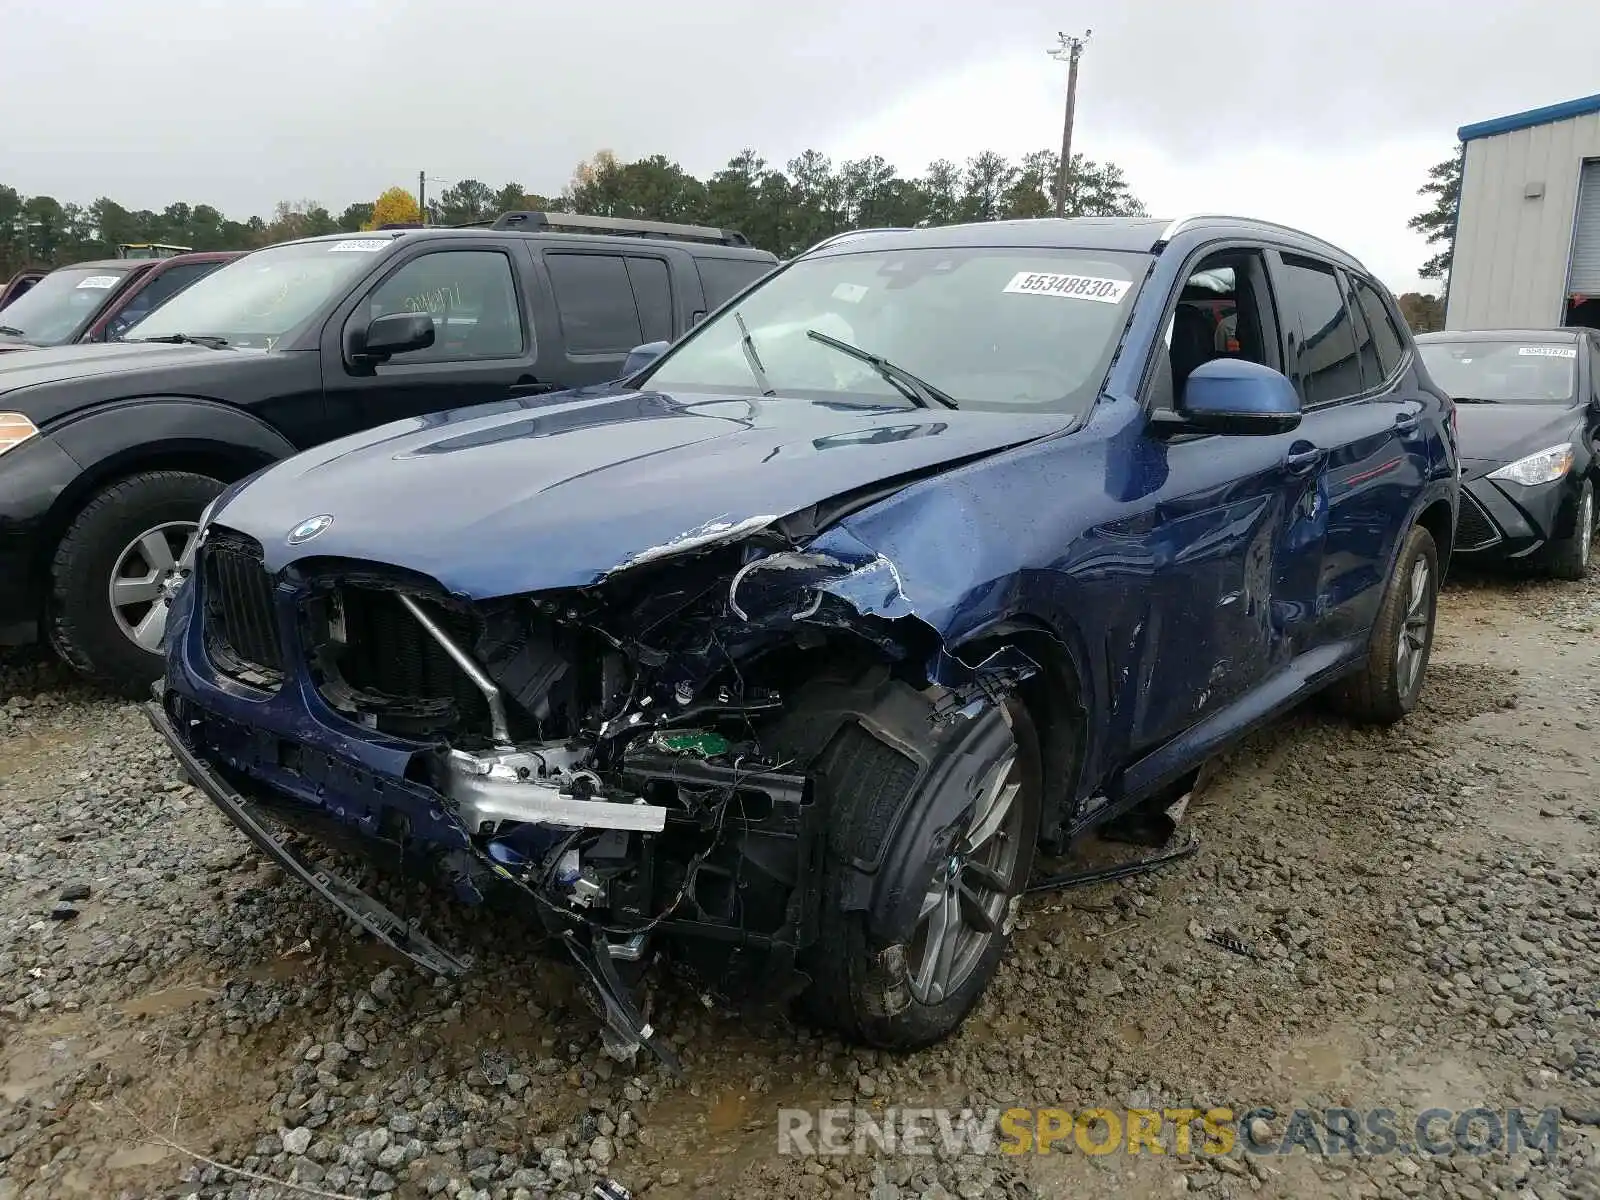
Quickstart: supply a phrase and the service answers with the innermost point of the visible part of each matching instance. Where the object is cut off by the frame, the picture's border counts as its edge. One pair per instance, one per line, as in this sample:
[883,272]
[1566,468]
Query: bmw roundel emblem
[308,529]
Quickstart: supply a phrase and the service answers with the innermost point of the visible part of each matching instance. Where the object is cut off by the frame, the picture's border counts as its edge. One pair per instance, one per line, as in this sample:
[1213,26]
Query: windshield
[1503,372]
[257,299]
[55,310]
[992,328]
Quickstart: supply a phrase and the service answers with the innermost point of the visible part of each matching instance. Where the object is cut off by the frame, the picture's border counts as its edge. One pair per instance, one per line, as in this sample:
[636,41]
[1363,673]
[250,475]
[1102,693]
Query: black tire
[1382,692]
[1569,556]
[865,991]
[82,624]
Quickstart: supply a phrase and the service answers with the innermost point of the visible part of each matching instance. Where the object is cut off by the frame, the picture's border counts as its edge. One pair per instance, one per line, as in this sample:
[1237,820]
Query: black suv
[109,453]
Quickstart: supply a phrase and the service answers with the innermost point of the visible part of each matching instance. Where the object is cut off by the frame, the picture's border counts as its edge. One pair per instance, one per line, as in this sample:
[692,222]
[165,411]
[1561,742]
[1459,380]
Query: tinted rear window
[598,312]
[1324,354]
[724,278]
[1384,347]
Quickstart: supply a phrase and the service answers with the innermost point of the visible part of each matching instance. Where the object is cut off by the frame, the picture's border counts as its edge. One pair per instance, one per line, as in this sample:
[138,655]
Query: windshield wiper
[1472,400]
[748,345]
[210,341]
[13,331]
[919,391]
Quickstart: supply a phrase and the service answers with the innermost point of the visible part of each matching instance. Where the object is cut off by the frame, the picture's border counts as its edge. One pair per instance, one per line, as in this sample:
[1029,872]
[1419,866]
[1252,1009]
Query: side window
[724,278]
[1384,348]
[1223,311]
[470,296]
[154,294]
[653,291]
[595,299]
[1321,337]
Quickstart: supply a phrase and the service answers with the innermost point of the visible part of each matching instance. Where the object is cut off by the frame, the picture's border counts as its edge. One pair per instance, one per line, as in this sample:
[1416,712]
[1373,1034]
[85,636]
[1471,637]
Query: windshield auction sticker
[1072,287]
[1549,351]
[358,246]
[98,281]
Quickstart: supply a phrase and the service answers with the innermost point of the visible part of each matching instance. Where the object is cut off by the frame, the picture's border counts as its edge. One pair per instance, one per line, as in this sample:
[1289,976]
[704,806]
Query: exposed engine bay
[623,754]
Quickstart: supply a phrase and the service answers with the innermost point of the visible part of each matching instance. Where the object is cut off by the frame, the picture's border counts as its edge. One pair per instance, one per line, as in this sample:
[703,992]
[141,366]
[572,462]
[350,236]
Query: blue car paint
[1198,586]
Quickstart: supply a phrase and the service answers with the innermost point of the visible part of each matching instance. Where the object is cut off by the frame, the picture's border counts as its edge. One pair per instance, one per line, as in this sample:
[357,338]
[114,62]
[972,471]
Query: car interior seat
[1193,343]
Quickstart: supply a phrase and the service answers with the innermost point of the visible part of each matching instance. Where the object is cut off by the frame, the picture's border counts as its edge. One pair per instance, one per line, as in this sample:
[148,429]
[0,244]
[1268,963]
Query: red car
[20,283]
[99,301]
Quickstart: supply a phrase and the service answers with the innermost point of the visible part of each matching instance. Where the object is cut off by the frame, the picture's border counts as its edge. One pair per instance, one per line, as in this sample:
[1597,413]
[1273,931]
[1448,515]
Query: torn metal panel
[712,533]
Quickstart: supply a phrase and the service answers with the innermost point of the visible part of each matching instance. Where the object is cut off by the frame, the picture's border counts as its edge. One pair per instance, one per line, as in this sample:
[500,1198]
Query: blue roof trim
[1534,116]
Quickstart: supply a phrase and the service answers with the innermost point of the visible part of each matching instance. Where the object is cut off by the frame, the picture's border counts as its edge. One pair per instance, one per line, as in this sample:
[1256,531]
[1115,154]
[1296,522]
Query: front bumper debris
[624,1029]
[361,908]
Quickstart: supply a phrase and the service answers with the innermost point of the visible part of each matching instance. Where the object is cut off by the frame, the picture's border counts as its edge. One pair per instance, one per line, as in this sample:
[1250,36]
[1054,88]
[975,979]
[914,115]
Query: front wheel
[1390,681]
[915,992]
[1569,557]
[115,570]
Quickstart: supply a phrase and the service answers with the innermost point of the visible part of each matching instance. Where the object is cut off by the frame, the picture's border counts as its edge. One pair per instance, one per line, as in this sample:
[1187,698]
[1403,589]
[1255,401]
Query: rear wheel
[1389,683]
[1569,557]
[114,572]
[917,991]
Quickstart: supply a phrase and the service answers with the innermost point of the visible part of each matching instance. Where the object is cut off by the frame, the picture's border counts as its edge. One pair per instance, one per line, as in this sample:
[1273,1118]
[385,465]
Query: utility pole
[422,196]
[1067,50]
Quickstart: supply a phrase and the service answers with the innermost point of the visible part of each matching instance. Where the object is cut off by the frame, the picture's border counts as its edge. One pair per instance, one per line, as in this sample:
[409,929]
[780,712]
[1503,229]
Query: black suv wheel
[113,573]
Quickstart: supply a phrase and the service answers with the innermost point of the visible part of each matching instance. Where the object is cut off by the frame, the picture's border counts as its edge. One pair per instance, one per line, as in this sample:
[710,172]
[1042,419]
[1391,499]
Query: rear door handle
[1303,462]
[1406,424]
[529,386]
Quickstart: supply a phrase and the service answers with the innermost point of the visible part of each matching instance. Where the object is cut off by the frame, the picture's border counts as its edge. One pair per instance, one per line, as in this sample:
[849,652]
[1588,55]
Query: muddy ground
[1400,919]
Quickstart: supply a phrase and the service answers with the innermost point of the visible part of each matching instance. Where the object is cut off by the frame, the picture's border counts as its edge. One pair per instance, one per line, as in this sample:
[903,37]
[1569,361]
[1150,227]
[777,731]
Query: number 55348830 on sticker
[1073,287]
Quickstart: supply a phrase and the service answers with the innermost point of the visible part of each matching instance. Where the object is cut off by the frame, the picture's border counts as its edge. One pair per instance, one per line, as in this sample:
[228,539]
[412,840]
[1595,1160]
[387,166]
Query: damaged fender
[963,731]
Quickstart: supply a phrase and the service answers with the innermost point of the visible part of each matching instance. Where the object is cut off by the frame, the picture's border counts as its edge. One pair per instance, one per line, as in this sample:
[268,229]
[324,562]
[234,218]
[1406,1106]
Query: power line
[1067,50]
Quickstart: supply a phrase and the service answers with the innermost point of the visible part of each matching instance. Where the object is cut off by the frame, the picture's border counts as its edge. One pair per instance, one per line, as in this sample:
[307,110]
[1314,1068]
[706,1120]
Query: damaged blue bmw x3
[787,654]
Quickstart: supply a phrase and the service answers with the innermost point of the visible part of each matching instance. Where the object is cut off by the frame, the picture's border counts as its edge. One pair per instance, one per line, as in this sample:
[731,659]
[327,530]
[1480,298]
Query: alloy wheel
[1414,628]
[965,906]
[146,575]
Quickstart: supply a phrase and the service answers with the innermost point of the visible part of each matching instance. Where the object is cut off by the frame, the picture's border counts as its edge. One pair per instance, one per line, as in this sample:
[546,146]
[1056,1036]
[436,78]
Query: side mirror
[641,357]
[1231,395]
[396,333]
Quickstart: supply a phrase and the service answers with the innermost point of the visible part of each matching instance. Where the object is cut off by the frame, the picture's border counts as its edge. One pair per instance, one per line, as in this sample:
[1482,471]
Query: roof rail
[846,234]
[1176,227]
[625,226]
[402,225]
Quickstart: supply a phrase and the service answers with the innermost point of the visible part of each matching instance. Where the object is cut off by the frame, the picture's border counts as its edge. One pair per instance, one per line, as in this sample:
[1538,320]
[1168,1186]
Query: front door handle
[1304,462]
[1405,424]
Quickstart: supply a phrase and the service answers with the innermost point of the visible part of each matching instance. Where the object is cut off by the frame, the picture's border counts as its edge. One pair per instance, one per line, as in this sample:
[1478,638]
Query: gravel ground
[1412,918]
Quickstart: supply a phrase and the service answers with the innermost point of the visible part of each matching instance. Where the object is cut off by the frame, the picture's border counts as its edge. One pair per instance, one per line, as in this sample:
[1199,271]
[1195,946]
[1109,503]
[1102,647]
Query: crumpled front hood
[1501,433]
[558,492]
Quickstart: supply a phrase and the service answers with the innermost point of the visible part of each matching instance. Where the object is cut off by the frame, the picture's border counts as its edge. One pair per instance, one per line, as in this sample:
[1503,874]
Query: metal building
[1527,247]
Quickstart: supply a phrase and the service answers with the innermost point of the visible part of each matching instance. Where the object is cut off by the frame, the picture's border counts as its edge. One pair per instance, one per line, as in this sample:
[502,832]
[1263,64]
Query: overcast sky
[1319,115]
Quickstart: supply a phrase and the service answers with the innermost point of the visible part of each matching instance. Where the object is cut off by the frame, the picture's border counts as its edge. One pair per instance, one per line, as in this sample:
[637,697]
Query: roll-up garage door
[1584,277]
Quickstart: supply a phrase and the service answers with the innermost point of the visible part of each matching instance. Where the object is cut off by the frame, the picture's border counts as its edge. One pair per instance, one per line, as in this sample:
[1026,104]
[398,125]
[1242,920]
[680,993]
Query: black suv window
[726,277]
[1383,349]
[653,291]
[595,299]
[470,296]
[1321,337]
